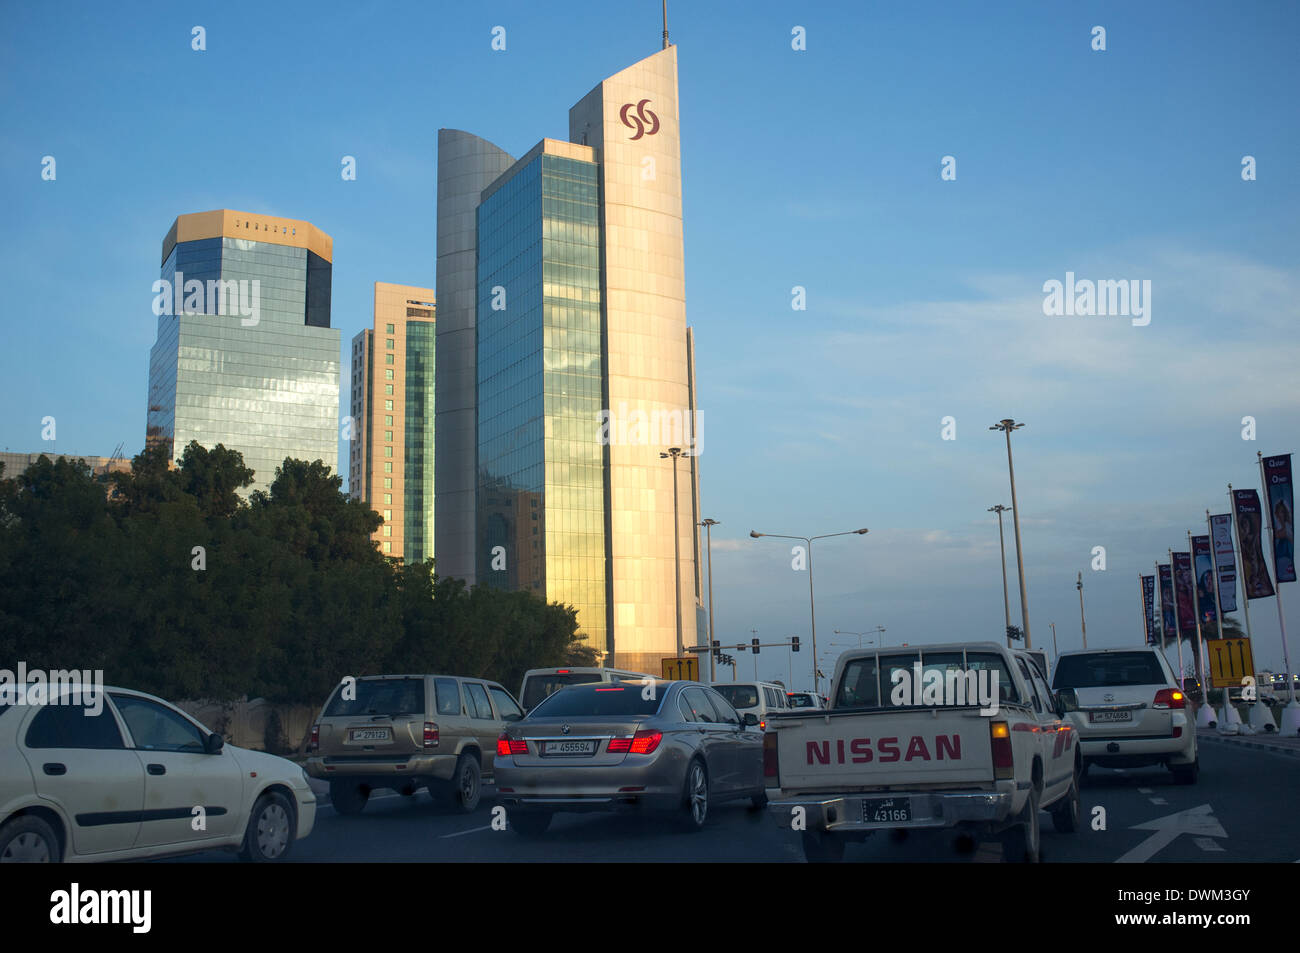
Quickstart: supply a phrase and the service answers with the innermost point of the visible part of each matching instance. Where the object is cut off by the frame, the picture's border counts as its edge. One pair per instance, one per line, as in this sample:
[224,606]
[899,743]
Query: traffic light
[754,643]
[794,643]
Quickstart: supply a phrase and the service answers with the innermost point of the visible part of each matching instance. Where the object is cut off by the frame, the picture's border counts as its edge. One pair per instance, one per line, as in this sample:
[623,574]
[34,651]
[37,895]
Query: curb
[1276,749]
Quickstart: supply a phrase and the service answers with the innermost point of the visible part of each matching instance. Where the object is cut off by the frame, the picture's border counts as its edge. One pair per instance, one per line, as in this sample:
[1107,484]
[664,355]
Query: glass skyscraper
[245,355]
[562,319]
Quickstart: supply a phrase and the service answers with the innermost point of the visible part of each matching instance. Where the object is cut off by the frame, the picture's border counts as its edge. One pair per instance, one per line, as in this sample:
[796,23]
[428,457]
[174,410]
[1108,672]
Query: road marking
[1144,790]
[474,830]
[373,797]
[1207,843]
[1157,800]
[1196,820]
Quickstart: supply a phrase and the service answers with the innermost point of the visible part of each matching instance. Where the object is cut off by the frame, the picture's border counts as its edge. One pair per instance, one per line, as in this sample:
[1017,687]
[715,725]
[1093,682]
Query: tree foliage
[291,596]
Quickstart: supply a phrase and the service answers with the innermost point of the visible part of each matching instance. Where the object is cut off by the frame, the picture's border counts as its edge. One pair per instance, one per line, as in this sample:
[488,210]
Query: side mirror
[214,743]
[751,720]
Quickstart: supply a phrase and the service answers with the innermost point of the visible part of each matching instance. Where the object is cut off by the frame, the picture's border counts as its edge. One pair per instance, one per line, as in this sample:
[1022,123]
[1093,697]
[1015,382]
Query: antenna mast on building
[665,24]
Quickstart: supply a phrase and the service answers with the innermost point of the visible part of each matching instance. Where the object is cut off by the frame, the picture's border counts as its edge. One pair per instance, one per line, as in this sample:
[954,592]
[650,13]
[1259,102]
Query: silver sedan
[651,744]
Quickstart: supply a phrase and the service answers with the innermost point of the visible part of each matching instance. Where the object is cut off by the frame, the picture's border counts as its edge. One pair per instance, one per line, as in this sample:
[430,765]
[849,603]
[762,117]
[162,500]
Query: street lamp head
[861,532]
[755,533]
[708,522]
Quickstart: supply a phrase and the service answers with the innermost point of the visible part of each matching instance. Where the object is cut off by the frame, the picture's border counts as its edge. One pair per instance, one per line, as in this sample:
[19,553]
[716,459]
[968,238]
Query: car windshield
[739,696]
[601,701]
[378,696]
[539,687]
[800,701]
[890,679]
[1108,669]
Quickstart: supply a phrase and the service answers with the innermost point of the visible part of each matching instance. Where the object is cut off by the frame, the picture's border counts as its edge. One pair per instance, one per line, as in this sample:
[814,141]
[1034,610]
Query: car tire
[1065,812]
[530,823]
[820,847]
[758,801]
[1186,773]
[269,835]
[695,796]
[348,797]
[1020,844]
[1083,773]
[466,788]
[28,840]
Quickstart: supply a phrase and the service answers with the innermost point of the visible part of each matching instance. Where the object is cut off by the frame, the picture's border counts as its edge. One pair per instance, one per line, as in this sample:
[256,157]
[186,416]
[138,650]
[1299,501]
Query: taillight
[619,745]
[1003,760]
[645,742]
[1169,698]
[430,735]
[315,738]
[508,746]
[769,755]
[762,726]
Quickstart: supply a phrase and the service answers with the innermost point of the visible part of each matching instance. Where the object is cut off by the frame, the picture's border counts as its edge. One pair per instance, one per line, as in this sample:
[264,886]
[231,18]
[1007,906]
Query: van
[761,698]
[541,683]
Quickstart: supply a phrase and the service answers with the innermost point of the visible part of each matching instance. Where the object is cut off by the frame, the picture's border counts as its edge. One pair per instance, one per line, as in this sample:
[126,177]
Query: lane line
[1157,800]
[1144,790]
[474,830]
[1207,843]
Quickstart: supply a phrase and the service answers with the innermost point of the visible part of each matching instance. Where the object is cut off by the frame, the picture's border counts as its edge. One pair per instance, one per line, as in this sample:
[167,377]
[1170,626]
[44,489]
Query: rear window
[540,687]
[739,696]
[800,700]
[379,696]
[869,682]
[1110,668]
[624,698]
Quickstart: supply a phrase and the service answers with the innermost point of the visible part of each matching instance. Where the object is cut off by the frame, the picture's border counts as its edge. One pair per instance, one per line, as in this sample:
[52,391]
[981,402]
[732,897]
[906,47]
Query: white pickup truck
[905,744]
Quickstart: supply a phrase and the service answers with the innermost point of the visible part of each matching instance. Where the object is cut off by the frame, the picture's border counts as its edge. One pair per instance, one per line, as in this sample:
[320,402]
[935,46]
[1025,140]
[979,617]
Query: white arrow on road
[1196,820]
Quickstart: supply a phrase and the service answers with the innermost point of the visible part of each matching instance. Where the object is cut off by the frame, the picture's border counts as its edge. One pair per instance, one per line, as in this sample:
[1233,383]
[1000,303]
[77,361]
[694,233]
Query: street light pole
[1006,426]
[1055,651]
[1002,544]
[708,525]
[1083,625]
[812,607]
[676,452]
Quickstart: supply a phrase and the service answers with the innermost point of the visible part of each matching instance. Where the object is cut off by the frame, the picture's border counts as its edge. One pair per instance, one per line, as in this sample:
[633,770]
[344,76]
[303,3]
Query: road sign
[686,668]
[1230,662]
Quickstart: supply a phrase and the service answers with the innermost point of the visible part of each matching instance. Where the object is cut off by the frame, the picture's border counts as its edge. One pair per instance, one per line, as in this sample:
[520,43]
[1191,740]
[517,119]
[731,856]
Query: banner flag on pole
[1183,592]
[1205,600]
[1167,622]
[1281,511]
[1254,571]
[1226,560]
[1148,607]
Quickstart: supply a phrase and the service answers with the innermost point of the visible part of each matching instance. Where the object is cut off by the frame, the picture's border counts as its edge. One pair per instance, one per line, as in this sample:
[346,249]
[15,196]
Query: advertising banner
[1205,595]
[1148,607]
[1183,592]
[1281,513]
[1166,601]
[1225,560]
[1254,571]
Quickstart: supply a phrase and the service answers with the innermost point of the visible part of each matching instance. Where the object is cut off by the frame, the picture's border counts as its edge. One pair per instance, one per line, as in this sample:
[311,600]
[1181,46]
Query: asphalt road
[1242,809]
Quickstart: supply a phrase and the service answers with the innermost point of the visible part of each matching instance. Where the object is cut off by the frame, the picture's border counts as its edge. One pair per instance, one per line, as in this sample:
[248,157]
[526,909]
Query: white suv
[1128,710]
[760,698]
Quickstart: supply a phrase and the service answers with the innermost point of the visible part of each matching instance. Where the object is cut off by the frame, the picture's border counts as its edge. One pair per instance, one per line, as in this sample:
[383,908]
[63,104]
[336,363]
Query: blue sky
[817,168]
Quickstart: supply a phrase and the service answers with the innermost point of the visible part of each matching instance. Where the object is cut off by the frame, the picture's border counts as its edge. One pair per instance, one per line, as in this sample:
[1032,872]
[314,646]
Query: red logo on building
[640,120]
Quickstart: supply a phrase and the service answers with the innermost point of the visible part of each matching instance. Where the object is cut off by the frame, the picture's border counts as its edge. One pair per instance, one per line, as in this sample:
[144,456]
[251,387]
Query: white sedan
[132,777]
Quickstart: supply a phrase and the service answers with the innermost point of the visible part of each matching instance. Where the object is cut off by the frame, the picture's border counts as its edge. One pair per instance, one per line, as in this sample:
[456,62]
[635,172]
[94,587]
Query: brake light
[1003,758]
[561,671]
[769,755]
[1169,698]
[762,725]
[619,745]
[430,735]
[508,746]
[619,689]
[315,738]
[645,742]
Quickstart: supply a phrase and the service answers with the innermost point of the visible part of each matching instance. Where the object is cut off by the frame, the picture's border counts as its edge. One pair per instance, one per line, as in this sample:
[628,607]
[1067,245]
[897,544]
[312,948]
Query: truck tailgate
[839,751]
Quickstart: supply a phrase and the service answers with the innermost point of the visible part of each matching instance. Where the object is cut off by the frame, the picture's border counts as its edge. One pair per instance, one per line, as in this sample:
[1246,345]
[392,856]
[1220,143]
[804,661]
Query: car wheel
[349,797]
[695,796]
[1186,773]
[270,830]
[466,784]
[1083,773]
[1020,843]
[820,847]
[1065,812]
[530,823]
[28,840]
[758,801]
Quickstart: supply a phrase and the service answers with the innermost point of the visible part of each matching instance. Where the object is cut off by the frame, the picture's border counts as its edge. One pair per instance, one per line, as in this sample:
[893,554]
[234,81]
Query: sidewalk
[1267,742]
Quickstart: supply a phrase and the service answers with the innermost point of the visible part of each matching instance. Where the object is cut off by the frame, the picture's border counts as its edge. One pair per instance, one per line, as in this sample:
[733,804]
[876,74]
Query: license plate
[569,747]
[1104,716]
[885,809]
[369,734]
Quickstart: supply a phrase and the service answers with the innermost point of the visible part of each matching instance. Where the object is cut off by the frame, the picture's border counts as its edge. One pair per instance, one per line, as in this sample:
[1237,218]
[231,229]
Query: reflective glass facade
[420,352]
[541,499]
[268,389]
